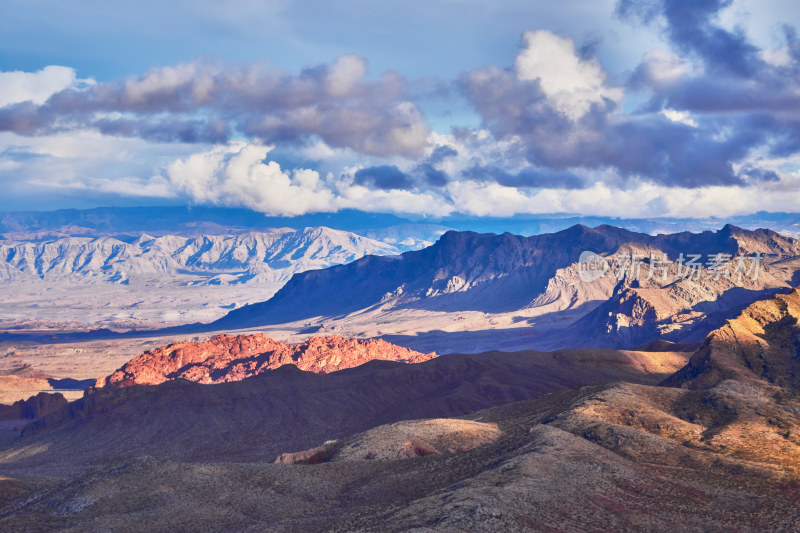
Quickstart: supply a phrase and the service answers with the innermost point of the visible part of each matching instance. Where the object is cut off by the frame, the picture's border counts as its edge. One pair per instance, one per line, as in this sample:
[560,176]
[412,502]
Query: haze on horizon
[631,108]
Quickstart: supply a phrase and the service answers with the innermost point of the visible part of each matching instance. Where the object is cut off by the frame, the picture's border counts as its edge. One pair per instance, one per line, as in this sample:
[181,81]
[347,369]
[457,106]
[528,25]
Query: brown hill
[288,409]
[548,470]
[761,346]
[227,358]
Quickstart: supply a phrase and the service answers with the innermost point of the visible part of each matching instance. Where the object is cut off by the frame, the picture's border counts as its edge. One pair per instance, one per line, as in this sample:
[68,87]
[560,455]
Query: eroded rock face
[34,407]
[235,357]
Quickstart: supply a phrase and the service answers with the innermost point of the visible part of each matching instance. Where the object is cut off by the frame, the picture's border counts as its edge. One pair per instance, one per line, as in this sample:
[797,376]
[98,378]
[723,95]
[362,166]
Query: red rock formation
[236,357]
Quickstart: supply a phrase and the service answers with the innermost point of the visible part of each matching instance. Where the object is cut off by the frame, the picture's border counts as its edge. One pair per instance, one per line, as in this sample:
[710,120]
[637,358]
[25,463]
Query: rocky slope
[227,358]
[714,447]
[289,410]
[760,347]
[413,438]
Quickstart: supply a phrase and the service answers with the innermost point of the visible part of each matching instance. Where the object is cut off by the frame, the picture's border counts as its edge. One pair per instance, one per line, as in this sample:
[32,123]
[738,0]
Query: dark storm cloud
[389,177]
[758,174]
[529,177]
[691,27]
[734,77]
[735,81]
[386,177]
[199,102]
[667,152]
[440,153]
[432,176]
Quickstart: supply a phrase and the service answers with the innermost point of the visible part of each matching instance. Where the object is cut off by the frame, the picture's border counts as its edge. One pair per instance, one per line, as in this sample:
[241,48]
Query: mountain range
[259,257]
[529,289]
[137,280]
[392,229]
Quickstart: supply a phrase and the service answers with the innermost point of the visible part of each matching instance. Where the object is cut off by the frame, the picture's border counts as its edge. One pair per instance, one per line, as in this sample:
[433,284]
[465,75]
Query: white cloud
[489,199]
[169,80]
[237,174]
[46,167]
[684,117]
[779,57]
[665,68]
[17,86]
[396,201]
[570,83]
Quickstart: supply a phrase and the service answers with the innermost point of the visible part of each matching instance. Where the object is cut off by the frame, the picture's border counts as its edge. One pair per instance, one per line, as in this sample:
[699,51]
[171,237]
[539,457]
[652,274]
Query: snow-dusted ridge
[254,257]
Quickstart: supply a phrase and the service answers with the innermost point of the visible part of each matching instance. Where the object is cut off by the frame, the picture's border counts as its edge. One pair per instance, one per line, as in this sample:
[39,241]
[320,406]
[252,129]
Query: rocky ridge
[226,358]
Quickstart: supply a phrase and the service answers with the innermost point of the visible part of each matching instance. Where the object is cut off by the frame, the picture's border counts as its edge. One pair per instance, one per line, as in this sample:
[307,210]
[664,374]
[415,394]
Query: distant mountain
[260,257]
[388,228]
[180,220]
[197,221]
[539,275]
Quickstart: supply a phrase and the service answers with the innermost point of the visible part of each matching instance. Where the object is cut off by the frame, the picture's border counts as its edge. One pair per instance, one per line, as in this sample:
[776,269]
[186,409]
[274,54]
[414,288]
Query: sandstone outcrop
[227,358]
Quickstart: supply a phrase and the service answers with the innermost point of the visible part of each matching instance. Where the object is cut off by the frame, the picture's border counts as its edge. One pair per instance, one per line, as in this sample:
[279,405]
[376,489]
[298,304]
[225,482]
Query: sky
[625,108]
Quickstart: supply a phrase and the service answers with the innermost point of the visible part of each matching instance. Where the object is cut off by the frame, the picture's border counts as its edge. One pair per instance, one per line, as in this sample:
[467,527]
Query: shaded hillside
[461,270]
[289,409]
[34,407]
[616,457]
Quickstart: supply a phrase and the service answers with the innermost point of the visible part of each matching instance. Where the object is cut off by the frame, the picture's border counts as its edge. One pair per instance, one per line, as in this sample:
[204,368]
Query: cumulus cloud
[240,174]
[693,28]
[571,84]
[206,102]
[718,70]
[649,147]
[237,174]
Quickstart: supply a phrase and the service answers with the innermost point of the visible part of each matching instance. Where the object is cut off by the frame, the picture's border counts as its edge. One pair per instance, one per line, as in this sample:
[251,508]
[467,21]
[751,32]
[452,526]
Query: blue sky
[622,108]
